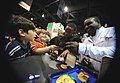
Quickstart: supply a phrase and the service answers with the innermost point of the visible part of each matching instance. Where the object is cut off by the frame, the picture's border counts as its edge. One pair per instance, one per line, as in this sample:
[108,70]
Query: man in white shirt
[100,43]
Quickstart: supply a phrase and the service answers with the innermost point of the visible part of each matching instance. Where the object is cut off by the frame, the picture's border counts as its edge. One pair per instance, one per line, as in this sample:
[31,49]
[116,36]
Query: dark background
[78,11]
[106,10]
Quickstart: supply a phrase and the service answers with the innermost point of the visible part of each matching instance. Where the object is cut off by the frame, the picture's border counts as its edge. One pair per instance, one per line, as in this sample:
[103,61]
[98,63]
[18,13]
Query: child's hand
[54,47]
[33,47]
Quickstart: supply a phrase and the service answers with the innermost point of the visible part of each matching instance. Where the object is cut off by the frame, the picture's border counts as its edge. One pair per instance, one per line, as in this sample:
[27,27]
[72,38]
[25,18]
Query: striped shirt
[16,49]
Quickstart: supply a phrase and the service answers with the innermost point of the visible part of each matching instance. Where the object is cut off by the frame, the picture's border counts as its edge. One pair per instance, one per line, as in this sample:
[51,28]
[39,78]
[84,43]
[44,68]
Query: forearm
[46,49]
[95,51]
[42,50]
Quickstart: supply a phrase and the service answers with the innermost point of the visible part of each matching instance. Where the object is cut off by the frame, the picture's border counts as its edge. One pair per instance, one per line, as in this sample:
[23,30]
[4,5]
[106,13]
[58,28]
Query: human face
[69,30]
[91,26]
[44,37]
[30,36]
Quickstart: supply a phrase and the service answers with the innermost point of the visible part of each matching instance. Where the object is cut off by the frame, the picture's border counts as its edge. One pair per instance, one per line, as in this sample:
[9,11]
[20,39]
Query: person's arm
[42,50]
[95,51]
[106,49]
[46,49]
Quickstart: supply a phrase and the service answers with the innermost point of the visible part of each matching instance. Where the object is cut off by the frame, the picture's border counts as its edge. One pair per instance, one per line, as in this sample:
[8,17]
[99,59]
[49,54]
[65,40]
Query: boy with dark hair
[23,30]
[17,23]
[19,52]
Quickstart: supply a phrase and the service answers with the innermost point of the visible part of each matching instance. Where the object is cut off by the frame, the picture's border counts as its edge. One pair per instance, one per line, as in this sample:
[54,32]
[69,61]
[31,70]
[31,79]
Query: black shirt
[61,41]
[16,49]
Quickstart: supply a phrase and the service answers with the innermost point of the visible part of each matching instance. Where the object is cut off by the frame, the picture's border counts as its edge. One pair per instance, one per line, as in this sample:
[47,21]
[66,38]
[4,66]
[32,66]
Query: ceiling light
[66,9]
[24,5]
[31,18]
[43,15]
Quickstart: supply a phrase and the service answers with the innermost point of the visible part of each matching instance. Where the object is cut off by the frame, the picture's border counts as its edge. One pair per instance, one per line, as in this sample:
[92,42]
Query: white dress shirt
[99,46]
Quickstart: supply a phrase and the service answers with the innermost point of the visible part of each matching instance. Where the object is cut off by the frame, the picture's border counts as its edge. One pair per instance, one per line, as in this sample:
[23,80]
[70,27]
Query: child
[19,52]
[23,30]
[41,43]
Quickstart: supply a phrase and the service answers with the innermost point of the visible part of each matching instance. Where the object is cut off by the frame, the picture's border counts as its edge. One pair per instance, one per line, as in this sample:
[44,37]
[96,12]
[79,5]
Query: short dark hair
[72,25]
[17,22]
[95,19]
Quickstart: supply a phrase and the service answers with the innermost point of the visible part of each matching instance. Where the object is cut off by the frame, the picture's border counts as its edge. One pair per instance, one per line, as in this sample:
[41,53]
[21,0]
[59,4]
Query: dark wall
[7,7]
[111,76]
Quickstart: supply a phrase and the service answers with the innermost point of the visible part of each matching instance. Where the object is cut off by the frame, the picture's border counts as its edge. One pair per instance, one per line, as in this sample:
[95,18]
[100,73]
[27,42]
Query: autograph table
[53,73]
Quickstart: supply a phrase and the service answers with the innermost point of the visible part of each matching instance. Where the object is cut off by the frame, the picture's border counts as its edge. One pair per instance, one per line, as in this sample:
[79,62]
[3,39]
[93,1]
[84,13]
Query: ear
[21,32]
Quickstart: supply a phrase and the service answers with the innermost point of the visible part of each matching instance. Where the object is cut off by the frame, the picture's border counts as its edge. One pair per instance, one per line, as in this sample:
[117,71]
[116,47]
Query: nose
[86,27]
[36,35]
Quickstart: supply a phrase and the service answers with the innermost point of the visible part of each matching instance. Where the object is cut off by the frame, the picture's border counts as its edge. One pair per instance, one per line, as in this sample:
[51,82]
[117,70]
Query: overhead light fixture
[26,4]
[43,15]
[66,9]
[31,18]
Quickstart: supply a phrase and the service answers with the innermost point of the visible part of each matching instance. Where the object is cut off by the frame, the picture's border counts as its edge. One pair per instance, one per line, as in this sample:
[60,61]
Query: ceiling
[79,10]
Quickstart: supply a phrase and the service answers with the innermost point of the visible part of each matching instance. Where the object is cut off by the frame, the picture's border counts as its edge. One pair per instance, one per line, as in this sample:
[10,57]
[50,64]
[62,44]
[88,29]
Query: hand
[72,44]
[72,47]
[64,53]
[33,47]
[53,47]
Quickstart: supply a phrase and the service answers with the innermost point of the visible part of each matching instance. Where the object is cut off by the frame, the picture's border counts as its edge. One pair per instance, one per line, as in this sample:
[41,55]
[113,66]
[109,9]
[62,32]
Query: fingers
[64,53]
[71,44]
[53,47]
[68,43]
[32,47]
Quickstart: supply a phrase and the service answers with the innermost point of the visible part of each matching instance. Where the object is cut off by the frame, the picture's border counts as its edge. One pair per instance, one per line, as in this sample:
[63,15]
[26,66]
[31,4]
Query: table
[50,66]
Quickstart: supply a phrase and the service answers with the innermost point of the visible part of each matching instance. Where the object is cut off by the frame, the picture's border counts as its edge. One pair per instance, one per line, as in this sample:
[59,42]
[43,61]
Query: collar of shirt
[98,33]
[24,46]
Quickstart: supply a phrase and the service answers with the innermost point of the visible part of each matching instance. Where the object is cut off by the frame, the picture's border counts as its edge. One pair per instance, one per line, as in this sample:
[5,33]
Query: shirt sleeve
[14,50]
[96,52]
